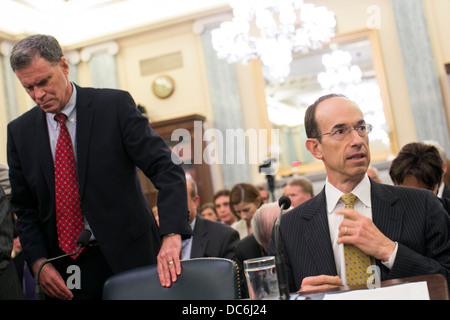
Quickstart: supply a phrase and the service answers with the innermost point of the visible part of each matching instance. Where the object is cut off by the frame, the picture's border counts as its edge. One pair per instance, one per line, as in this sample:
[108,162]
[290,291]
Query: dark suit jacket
[446,192]
[446,204]
[10,288]
[413,217]
[248,248]
[213,239]
[112,139]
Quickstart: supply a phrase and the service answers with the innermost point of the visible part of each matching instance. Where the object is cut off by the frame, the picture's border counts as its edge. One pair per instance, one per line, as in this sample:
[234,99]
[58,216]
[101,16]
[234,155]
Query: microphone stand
[82,241]
[279,261]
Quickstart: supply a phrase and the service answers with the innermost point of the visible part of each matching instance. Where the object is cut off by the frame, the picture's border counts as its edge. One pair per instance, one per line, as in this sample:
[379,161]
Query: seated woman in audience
[208,211]
[244,201]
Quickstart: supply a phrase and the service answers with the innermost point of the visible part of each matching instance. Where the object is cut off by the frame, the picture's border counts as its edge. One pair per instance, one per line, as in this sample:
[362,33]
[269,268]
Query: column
[8,77]
[227,109]
[102,64]
[73,58]
[420,70]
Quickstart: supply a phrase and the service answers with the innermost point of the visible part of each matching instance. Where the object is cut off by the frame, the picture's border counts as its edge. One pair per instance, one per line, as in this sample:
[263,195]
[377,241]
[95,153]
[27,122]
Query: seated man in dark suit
[419,165]
[403,231]
[210,238]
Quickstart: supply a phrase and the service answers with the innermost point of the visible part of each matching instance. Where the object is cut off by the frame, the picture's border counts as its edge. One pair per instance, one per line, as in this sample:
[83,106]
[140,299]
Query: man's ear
[313,147]
[196,200]
[64,65]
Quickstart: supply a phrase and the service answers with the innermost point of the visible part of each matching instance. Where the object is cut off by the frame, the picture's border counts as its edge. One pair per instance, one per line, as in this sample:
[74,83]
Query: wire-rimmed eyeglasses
[339,134]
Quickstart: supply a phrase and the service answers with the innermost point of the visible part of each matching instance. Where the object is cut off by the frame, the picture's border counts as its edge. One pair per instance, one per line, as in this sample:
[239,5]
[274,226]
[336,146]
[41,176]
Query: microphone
[82,241]
[284,202]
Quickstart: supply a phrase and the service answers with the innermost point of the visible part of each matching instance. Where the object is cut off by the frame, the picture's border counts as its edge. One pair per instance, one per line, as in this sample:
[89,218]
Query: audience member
[444,188]
[221,200]
[244,200]
[10,288]
[209,238]
[404,231]
[264,194]
[256,245]
[283,189]
[4,180]
[373,173]
[299,189]
[112,139]
[447,174]
[419,165]
[208,211]
[24,275]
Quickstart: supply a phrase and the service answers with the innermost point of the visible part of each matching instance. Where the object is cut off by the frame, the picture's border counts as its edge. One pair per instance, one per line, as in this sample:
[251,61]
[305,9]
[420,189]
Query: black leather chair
[200,279]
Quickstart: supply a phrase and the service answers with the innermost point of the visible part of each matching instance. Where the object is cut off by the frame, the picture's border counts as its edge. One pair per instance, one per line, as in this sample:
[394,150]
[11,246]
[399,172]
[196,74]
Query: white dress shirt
[186,244]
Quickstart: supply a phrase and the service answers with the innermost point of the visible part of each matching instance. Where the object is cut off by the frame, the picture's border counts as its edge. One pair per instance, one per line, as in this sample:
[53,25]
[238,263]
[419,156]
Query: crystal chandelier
[272,30]
[339,72]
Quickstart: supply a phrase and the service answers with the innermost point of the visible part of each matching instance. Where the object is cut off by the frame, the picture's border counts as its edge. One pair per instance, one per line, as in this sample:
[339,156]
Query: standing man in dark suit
[108,138]
[404,231]
[210,238]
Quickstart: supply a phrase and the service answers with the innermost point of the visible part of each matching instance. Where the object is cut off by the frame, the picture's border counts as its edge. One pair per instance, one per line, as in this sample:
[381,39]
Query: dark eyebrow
[342,125]
[43,81]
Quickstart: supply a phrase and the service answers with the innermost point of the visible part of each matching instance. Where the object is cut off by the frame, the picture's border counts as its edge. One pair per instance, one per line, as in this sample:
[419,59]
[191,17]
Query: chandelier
[339,73]
[272,30]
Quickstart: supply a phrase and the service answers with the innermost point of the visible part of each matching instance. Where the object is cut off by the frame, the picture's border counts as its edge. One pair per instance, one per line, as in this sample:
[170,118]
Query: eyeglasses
[341,133]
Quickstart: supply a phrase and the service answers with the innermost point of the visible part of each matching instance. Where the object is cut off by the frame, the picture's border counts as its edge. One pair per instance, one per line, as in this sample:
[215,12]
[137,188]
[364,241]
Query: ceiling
[77,21]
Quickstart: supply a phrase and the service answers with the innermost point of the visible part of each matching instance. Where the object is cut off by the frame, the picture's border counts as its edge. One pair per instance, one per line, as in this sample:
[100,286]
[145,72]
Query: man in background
[299,189]
[373,173]
[210,238]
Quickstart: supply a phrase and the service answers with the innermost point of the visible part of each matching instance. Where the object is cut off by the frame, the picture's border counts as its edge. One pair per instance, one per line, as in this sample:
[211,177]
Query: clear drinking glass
[262,280]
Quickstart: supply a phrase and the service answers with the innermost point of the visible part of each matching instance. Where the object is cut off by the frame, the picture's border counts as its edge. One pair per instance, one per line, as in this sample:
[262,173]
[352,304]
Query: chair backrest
[200,279]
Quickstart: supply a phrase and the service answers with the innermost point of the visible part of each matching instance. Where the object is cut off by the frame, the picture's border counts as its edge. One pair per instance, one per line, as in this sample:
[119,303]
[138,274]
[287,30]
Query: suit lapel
[385,214]
[85,117]
[317,235]
[44,151]
[198,241]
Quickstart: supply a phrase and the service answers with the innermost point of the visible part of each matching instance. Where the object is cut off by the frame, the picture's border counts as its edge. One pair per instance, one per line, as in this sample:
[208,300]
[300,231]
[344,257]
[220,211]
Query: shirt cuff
[390,263]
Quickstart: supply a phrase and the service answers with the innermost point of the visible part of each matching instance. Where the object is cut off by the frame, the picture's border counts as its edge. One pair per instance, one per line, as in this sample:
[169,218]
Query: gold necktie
[356,261]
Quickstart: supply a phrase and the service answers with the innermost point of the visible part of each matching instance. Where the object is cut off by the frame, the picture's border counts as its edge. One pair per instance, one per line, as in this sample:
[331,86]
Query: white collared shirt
[186,244]
[363,205]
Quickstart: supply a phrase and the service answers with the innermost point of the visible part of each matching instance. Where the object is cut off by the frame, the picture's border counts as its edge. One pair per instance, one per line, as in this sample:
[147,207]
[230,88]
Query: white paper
[407,291]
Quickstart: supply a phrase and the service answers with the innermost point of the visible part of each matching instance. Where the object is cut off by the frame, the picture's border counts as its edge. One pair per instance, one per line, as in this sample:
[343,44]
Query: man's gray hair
[38,45]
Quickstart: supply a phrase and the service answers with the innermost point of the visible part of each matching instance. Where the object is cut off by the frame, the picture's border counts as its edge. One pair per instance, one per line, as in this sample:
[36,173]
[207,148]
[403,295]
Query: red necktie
[69,220]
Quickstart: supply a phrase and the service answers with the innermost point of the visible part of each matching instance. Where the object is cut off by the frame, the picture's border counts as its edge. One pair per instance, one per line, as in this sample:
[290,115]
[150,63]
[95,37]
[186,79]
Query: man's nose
[39,93]
[355,137]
